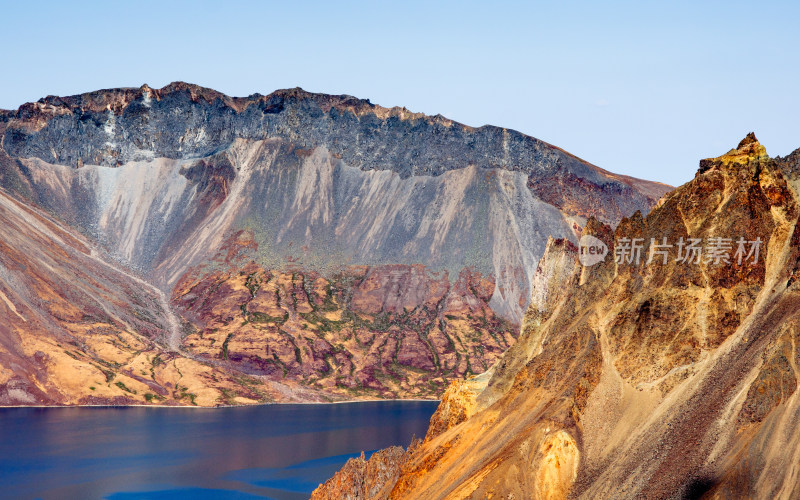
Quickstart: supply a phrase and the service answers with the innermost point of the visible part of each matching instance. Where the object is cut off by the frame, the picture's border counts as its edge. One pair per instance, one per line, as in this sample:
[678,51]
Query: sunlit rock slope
[673,378]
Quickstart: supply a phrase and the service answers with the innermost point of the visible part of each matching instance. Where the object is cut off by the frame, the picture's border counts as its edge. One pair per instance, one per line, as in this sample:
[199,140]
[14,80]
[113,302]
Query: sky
[640,88]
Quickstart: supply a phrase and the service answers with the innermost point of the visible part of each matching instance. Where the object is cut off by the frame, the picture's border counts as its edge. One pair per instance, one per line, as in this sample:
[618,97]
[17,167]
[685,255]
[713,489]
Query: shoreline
[3,407]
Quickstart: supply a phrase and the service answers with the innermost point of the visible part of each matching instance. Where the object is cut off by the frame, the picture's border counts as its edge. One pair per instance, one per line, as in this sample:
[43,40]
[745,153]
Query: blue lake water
[275,451]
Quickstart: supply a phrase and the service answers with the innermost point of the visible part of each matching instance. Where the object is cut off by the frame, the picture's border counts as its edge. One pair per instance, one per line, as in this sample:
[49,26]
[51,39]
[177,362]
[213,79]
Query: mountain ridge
[117,100]
[310,240]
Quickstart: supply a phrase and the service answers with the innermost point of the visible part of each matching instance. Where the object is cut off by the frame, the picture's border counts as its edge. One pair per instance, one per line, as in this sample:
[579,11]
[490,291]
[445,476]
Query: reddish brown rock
[360,478]
[386,331]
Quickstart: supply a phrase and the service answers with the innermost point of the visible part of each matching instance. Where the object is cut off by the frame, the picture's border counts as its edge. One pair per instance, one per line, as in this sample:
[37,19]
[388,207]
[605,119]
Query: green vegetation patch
[125,388]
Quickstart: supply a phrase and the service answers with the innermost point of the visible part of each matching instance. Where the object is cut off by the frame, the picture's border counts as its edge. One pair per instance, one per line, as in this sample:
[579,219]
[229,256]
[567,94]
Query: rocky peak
[790,166]
[749,139]
[749,149]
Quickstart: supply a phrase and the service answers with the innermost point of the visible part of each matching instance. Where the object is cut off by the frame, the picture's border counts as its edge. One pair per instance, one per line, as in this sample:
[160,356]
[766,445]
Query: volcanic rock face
[290,231]
[673,377]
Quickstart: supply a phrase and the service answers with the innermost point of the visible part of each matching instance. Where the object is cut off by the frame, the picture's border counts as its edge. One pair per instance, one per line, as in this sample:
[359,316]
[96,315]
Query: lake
[273,451]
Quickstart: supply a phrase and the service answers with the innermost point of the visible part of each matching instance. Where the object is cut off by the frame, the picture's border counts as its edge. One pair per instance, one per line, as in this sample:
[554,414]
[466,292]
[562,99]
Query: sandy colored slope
[77,329]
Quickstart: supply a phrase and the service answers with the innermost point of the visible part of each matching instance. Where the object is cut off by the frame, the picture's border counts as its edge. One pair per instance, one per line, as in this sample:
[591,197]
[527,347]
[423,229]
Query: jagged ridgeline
[300,238]
[664,378]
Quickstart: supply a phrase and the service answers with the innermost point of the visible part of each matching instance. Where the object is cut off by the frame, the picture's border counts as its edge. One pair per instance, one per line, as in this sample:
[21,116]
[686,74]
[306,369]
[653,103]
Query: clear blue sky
[641,88]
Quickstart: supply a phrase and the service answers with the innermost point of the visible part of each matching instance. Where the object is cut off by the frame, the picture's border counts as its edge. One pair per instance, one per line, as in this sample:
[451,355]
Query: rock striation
[386,331]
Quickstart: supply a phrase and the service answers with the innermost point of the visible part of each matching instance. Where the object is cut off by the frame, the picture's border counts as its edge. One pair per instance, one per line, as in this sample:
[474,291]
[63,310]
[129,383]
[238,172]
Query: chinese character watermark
[714,251]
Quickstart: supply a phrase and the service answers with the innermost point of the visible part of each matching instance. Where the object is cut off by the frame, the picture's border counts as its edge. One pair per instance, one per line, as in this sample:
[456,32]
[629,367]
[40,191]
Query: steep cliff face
[674,376]
[311,238]
[327,180]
